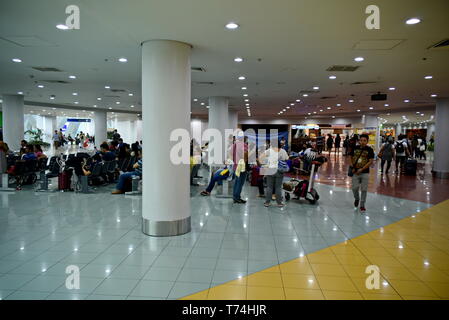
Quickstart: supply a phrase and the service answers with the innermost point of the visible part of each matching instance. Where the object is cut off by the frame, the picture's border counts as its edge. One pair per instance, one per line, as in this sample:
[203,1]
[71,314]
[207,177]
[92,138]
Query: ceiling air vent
[307,91]
[197,69]
[56,81]
[47,69]
[363,82]
[204,82]
[335,97]
[342,68]
[118,90]
[443,44]
[111,96]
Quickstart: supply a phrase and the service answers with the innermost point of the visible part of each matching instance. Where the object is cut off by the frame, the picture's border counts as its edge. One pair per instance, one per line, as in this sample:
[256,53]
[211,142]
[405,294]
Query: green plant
[36,137]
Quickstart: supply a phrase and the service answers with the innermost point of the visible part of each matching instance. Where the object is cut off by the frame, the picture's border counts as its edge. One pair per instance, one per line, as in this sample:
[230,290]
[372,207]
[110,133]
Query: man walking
[361,160]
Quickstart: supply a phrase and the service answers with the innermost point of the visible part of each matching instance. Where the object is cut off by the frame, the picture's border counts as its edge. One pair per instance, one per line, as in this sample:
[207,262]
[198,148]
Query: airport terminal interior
[224,150]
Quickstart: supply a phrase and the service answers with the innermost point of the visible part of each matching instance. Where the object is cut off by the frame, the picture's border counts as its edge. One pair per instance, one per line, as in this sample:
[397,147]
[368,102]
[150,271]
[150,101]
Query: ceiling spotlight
[428,77]
[328,108]
[74,94]
[433,95]
[309,113]
[247,104]
[321,110]
[52,97]
[413,21]
[232,26]
[62,27]
[107,87]
[333,117]
[40,86]
[338,104]
[238,59]
[19,92]
[245,95]
[118,102]
[131,106]
[110,108]
[76,102]
[287,107]
[371,108]
[332,77]
[406,100]
[351,101]
[95,105]
[358,110]
[392,88]
[195,100]
[359,59]
[207,107]
[386,105]
[292,104]
[202,103]
[246,100]
[99,99]
[316,88]
[242,78]
[244,88]
[72,77]
[123,60]
[297,100]
[130,94]
[305,95]
[16,60]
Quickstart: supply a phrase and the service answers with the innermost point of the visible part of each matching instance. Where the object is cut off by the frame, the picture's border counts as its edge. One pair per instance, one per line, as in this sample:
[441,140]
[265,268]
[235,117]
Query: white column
[49,127]
[138,130]
[13,120]
[219,119]
[233,119]
[441,154]
[100,119]
[398,130]
[430,131]
[166,89]
[371,121]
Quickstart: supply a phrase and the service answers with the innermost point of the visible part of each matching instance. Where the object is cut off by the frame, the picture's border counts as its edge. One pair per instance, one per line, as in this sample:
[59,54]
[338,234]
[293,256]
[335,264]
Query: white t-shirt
[404,144]
[272,158]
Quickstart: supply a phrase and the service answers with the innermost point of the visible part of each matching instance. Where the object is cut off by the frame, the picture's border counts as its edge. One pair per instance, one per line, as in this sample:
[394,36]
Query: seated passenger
[120,188]
[29,153]
[106,154]
[218,177]
[38,152]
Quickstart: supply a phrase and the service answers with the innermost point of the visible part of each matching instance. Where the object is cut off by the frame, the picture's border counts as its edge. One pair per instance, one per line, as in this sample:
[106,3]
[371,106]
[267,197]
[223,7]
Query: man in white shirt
[402,152]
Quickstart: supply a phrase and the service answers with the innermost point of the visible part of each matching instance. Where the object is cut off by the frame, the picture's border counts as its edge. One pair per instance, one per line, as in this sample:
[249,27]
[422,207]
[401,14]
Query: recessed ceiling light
[284,110]
[72,77]
[305,95]
[386,105]
[309,113]
[75,93]
[333,117]
[358,110]
[95,105]
[17,60]
[130,94]
[110,108]
[297,100]
[245,95]
[392,88]
[202,103]
[328,108]
[52,98]
[406,100]
[232,26]
[287,107]
[99,99]
[244,88]
[242,78]
[76,102]
[117,102]
[321,110]
[62,27]
[371,108]
[338,104]
[359,59]
[19,92]
[428,77]
[238,59]
[314,112]
[332,77]
[316,88]
[107,87]
[207,107]
[247,104]
[131,106]
[123,60]
[292,104]
[195,100]
[433,95]
[351,100]
[246,100]
[413,21]
[40,86]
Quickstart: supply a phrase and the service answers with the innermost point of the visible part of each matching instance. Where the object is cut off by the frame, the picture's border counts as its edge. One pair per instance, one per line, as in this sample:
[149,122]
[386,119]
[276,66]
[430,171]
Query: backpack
[400,147]
[283,166]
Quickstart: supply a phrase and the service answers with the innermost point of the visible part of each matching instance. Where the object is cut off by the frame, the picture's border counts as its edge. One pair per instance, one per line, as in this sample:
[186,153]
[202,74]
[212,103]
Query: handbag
[283,166]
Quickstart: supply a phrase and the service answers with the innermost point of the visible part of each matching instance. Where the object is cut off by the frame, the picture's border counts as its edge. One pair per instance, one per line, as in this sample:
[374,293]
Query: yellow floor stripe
[412,255]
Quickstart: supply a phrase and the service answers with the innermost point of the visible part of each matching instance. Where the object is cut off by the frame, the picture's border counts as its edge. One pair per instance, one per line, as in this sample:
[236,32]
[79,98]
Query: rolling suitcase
[64,180]
[410,167]
[255,174]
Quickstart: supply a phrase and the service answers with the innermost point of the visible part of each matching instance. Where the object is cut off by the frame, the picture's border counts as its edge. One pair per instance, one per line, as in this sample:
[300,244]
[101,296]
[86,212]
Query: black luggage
[410,167]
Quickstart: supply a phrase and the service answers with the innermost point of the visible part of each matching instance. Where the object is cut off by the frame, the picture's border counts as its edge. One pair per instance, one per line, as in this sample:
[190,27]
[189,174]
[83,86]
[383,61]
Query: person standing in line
[402,152]
[361,160]
[422,149]
[346,145]
[240,158]
[329,143]
[337,143]
[274,171]
[320,143]
[56,139]
[387,154]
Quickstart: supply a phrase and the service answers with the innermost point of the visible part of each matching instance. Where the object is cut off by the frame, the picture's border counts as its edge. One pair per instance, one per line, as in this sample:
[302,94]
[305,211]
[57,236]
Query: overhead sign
[310,126]
[78,120]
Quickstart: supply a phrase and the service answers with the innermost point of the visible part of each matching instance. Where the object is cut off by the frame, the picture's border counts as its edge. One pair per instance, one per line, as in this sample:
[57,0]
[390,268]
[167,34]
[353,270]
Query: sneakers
[239,201]
[281,205]
[362,209]
[205,193]
[356,203]
[117,192]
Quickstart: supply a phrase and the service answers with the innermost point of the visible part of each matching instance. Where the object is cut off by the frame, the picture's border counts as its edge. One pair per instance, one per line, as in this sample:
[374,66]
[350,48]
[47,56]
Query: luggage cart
[294,187]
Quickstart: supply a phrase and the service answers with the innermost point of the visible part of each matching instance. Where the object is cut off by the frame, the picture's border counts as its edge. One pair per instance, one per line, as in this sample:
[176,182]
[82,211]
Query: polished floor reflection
[43,233]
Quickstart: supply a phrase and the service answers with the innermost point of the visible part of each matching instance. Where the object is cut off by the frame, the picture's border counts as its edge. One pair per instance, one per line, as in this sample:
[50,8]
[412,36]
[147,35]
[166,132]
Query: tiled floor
[42,233]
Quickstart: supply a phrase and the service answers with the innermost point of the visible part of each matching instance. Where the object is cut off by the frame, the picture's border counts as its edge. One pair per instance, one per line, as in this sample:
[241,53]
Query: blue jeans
[123,177]
[238,185]
[217,177]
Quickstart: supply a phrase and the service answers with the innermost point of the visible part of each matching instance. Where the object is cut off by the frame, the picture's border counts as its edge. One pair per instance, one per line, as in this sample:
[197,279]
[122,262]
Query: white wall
[197,127]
